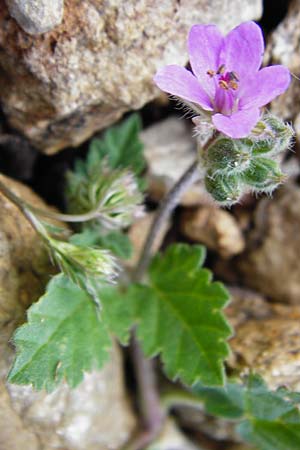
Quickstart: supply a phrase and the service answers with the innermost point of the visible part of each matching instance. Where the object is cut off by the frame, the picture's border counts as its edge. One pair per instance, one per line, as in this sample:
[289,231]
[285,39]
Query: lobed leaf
[64,337]
[179,316]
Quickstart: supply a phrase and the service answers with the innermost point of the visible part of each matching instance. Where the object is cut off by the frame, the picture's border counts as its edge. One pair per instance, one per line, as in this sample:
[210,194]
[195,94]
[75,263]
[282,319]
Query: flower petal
[237,125]
[204,44]
[178,81]
[243,50]
[265,85]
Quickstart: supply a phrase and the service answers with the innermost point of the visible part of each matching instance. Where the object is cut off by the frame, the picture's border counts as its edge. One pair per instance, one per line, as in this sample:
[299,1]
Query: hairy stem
[164,212]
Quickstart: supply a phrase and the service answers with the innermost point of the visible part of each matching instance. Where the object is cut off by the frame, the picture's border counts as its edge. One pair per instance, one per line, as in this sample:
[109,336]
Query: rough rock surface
[169,150]
[266,339]
[284,48]
[271,262]
[36,16]
[172,438]
[96,415]
[82,76]
[213,227]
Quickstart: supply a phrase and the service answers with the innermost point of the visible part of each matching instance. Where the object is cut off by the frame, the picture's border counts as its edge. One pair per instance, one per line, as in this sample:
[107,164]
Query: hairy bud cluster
[113,195]
[236,166]
[88,267]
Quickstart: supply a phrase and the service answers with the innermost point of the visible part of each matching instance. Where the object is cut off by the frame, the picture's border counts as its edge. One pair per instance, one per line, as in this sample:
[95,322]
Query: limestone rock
[36,16]
[96,415]
[266,339]
[284,48]
[64,85]
[215,228]
[169,150]
[172,438]
[271,261]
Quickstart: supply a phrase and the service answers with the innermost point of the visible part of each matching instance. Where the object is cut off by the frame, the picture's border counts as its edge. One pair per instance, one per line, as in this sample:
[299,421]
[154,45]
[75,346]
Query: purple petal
[243,50]
[180,82]
[204,44]
[265,85]
[237,125]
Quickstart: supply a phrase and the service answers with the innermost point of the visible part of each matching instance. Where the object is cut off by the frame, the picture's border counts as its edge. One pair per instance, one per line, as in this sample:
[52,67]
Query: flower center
[226,80]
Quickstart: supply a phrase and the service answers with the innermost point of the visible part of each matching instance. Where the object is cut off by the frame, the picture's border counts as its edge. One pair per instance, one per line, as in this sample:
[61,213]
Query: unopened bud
[263,175]
[121,202]
[112,195]
[76,261]
[227,157]
[271,135]
[226,190]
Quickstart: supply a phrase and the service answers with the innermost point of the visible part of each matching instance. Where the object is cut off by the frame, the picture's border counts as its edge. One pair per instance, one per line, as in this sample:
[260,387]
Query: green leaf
[115,241]
[269,420]
[121,144]
[65,336]
[225,401]
[179,316]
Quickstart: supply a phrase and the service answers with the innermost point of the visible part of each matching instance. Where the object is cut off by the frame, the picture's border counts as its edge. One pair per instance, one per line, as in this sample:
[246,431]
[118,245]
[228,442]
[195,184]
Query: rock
[169,150]
[172,439]
[271,262]
[284,48]
[95,415]
[64,85]
[138,233]
[266,339]
[36,16]
[213,227]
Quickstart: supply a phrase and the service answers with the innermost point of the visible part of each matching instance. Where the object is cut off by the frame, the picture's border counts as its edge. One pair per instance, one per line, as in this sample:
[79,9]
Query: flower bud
[226,190]
[84,262]
[113,195]
[263,175]
[121,200]
[271,135]
[227,157]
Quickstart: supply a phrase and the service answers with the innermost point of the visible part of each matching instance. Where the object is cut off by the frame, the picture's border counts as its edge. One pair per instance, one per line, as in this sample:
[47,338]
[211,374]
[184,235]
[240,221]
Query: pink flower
[226,80]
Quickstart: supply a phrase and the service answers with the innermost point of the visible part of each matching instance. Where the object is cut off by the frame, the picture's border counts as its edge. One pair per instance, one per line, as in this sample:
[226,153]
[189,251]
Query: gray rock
[99,63]
[36,16]
[94,416]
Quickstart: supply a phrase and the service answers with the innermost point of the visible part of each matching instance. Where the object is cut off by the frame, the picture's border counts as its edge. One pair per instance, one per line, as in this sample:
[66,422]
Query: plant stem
[153,413]
[24,206]
[152,409]
[164,212]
